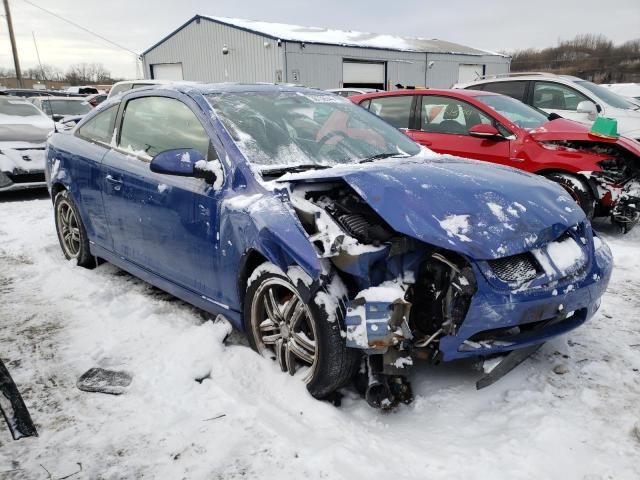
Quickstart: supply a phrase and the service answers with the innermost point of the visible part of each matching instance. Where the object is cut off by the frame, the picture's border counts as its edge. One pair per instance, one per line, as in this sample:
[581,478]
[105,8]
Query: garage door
[167,71]
[364,75]
[470,73]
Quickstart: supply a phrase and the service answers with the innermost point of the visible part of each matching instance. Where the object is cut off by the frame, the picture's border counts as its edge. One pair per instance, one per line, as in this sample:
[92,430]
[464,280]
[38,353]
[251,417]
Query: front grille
[517,268]
[26,177]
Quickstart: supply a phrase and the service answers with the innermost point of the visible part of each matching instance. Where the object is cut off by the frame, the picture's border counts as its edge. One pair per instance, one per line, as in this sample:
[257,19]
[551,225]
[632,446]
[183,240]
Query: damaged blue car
[341,247]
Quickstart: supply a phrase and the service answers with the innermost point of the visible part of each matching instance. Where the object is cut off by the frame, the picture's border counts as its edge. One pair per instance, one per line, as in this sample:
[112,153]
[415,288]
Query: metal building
[217,49]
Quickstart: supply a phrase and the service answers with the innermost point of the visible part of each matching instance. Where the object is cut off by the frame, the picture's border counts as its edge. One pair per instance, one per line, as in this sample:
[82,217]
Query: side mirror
[589,108]
[486,131]
[180,162]
[57,117]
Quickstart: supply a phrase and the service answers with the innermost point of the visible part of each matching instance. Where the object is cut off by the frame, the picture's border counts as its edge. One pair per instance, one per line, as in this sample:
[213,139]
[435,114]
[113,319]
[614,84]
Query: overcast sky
[489,24]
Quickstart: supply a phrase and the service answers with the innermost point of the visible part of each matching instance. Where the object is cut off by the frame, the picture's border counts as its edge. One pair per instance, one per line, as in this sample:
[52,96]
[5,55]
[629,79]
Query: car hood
[34,130]
[477,209]
[562,129]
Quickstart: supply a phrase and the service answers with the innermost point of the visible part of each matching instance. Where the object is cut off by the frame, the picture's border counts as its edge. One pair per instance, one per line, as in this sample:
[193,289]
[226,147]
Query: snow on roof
[298,33]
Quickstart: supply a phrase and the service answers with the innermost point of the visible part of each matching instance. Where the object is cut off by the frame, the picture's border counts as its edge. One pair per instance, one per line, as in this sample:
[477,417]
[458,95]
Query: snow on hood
[32,128]
[480,210]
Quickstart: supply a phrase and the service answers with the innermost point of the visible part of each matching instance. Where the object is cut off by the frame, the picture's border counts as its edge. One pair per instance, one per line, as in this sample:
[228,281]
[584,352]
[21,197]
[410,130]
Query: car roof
[212,88]
[59,97]
[522,77]
[425,91]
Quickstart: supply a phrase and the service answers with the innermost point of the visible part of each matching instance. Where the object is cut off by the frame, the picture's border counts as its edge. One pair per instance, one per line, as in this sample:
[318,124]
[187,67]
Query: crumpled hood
[562,129]
[480,210]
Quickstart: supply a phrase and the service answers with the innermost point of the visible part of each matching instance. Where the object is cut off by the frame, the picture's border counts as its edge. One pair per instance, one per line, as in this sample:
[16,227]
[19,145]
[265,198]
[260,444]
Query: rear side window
[510,89]
[100,127]
[156,124]
[394,110]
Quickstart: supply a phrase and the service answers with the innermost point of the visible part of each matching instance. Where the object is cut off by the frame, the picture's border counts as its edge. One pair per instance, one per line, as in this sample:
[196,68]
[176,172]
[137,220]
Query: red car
[601,174]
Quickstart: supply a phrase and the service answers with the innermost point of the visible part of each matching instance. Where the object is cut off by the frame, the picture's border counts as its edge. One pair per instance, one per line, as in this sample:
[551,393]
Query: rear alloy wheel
[578,189]
[71,232]
[298,335]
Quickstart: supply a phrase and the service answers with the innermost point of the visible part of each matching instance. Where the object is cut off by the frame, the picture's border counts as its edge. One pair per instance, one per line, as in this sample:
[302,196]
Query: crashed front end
[410,300]
[615,180]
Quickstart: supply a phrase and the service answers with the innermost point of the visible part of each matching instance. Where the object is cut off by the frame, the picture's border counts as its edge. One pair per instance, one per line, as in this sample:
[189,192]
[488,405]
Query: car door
[165,224]
[443,126]
[560,99]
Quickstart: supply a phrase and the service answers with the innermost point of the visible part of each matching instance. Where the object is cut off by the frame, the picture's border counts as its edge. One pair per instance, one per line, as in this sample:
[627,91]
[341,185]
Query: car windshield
[607,95]
[306,128]
[17,108]
[522,115]
[65,107]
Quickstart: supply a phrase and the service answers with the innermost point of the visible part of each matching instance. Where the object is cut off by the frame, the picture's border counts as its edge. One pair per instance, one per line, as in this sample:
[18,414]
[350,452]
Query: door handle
[116,182]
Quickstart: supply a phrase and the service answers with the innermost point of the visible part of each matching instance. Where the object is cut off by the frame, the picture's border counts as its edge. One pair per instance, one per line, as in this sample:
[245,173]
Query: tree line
[79,74]
[589,56]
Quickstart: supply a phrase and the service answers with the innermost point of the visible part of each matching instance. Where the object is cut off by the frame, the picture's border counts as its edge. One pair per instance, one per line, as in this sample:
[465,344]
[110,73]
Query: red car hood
[562,129]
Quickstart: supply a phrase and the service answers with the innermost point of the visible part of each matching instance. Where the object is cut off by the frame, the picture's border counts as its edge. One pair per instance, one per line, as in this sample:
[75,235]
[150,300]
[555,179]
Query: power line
[81,27]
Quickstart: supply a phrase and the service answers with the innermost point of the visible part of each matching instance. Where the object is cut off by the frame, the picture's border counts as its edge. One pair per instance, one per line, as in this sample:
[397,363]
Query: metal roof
[327,36]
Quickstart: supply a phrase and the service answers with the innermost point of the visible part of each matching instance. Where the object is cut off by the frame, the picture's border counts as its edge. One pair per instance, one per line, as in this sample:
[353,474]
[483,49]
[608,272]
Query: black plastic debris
[13,408]
[99,380]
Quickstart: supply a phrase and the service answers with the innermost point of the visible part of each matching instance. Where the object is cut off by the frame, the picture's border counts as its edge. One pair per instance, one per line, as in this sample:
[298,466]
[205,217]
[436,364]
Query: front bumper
[21,180]
[500,321]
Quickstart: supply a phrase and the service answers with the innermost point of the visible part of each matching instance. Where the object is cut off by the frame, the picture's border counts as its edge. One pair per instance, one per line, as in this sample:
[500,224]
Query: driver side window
[449,115]
[154,124]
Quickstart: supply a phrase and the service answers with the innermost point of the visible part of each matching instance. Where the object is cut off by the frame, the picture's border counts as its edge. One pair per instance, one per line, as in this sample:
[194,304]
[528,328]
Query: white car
[569,97]
[23,134]
[630,91]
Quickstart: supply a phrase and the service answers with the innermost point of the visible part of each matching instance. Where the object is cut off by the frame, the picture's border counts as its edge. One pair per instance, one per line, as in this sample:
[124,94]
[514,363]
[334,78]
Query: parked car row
[338,244]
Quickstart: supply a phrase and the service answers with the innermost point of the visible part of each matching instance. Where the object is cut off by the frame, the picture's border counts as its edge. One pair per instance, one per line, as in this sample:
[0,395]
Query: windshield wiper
[280,170]
[380,156]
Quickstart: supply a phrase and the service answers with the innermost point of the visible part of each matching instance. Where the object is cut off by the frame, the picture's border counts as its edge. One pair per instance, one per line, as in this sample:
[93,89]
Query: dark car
[323,232]
[601,174]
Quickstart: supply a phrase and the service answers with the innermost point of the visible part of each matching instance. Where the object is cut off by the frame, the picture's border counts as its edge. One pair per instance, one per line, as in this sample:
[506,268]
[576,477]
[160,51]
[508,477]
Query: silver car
[23,133]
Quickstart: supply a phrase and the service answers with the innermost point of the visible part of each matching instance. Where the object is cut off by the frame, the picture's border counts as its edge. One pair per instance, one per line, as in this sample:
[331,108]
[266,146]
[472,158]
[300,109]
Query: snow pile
[59,320]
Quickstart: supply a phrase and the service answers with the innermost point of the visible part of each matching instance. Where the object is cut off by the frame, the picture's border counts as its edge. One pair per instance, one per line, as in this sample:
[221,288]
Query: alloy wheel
[284,328]
[69,229]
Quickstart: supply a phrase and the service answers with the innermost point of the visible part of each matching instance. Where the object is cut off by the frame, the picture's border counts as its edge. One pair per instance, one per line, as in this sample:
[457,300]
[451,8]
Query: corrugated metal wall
[199,45]
[321,65]
[444,72]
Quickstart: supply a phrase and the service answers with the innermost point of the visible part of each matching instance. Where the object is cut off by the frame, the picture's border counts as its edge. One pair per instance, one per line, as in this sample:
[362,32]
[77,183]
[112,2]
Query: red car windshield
[517,112]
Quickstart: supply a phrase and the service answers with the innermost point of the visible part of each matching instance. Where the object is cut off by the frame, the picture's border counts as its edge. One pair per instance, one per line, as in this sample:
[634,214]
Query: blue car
[342,248]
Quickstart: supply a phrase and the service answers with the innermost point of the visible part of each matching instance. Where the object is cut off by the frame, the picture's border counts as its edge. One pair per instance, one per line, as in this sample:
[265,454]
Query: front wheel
[302,337]
[578,189]
[71,232]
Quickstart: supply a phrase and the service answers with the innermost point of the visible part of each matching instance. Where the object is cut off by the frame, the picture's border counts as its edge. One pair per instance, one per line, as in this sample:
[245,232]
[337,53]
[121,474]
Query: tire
[333,363]
[578,189]
[71,232]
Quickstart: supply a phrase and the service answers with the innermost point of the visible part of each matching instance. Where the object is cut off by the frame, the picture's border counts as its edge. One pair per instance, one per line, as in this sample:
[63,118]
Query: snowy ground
[58,320]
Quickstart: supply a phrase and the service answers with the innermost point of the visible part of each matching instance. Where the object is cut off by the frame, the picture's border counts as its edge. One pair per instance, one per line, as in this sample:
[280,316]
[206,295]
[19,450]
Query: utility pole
[14,48]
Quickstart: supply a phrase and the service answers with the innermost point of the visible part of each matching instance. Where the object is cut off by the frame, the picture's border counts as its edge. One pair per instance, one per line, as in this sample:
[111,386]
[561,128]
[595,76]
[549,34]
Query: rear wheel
[71,232]
[578,189]
[302,337]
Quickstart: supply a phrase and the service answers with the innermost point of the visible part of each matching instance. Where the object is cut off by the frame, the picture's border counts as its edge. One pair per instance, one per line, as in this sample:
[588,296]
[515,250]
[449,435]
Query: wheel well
[56,188]
[579,176]
[249,262]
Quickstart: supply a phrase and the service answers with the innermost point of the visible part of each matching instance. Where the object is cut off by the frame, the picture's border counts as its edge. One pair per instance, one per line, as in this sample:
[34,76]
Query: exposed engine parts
[404,295]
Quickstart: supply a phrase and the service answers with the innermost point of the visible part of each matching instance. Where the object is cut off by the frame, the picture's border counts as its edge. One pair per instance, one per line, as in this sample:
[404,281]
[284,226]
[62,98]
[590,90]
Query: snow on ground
[58,320]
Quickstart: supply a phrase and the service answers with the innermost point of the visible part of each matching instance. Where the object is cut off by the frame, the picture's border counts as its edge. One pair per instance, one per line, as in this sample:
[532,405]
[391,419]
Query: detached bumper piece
[13,408]
[509,362]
